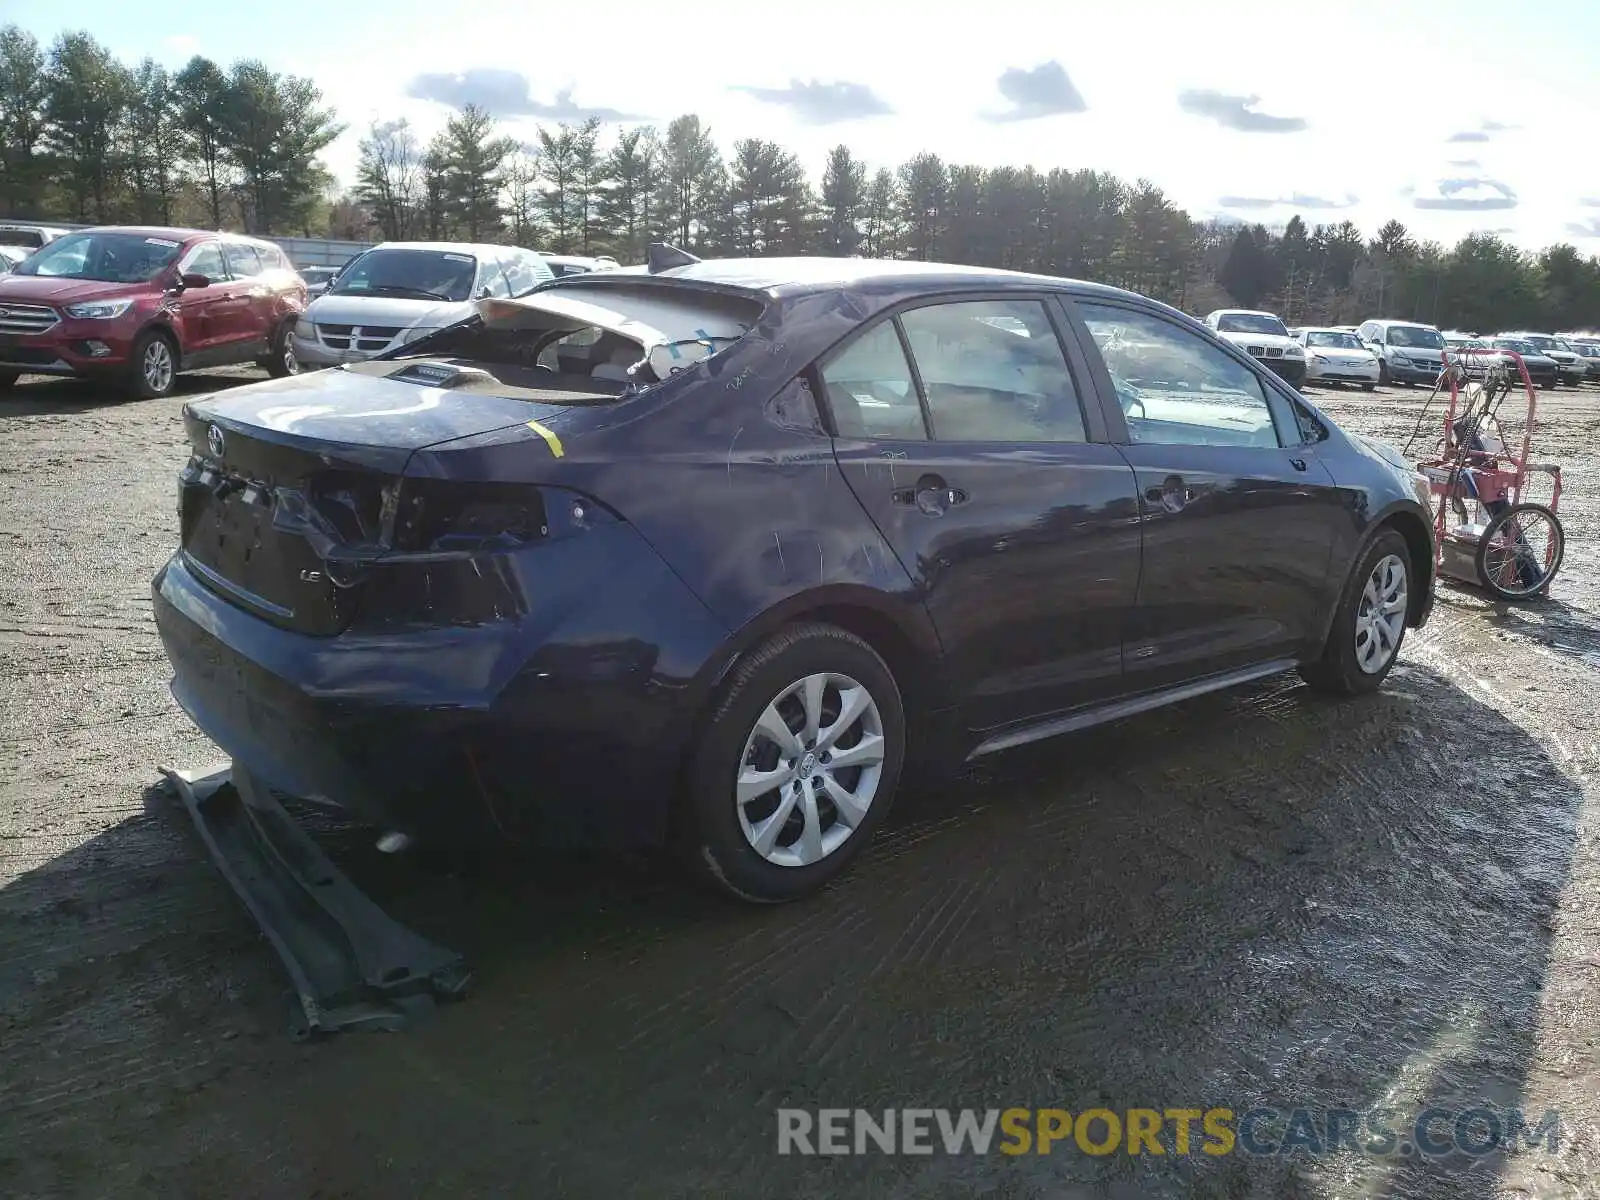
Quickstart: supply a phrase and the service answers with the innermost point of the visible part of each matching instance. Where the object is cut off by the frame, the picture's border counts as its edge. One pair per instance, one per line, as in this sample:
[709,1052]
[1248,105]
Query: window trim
[1276,402]
[1079,367]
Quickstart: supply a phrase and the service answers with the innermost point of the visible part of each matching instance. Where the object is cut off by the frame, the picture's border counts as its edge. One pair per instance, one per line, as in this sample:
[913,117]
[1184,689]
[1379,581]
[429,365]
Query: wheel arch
[160,324]
[1418,535]
[900,632]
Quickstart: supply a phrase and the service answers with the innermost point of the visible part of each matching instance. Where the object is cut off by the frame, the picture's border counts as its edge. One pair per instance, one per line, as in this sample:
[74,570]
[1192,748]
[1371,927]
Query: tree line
[87,138]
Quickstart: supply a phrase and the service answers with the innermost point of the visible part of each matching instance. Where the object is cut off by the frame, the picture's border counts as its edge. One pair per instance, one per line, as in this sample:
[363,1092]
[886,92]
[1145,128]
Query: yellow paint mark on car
[549,436]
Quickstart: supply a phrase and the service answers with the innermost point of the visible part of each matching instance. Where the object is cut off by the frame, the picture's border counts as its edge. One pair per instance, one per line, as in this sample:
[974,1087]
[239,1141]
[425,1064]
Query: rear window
[600,342]
[31,238]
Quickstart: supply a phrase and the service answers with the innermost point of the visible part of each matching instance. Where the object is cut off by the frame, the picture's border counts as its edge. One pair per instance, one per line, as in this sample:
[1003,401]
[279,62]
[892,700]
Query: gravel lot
[1250,898]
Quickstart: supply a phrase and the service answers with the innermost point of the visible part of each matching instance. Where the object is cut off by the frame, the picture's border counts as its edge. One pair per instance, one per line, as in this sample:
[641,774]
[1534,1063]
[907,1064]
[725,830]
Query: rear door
[960,428]
[1239,516]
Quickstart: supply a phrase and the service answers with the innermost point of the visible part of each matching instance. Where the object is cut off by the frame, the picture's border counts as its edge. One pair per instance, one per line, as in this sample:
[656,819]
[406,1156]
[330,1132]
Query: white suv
[1262,335]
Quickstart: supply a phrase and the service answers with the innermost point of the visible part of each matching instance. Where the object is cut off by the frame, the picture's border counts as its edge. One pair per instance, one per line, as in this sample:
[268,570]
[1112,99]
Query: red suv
[136,306]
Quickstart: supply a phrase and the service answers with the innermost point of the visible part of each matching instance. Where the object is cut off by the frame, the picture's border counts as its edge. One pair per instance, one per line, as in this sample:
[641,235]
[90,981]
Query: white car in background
[397,292]
[1262,336]
[1337,356]
[579,264]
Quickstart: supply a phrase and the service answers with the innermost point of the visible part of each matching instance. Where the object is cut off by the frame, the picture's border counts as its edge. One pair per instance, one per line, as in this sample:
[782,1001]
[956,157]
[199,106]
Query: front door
[1239,517]
[960,429]
[203,312]
[252,304]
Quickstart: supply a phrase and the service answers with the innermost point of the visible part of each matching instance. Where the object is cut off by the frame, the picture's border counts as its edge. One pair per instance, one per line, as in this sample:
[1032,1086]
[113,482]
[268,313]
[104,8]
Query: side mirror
[193,280]
[485,292]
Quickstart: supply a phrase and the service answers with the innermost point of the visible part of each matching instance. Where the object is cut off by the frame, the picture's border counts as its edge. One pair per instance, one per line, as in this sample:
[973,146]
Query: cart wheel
[1520,551]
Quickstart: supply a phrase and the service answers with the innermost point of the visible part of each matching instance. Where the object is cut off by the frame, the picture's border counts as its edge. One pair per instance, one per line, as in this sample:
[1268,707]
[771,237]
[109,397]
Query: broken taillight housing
[444,515]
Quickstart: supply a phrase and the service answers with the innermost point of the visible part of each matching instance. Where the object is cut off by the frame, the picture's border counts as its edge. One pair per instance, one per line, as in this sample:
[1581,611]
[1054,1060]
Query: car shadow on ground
[1255,898]
[41,396]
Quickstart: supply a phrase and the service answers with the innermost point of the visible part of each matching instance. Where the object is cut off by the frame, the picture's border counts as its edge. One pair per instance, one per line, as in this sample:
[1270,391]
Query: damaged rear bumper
[351,965]
[563,727]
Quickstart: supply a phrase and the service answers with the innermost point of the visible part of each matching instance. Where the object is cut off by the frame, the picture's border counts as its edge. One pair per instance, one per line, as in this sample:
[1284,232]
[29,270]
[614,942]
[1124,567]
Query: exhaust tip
[393,842]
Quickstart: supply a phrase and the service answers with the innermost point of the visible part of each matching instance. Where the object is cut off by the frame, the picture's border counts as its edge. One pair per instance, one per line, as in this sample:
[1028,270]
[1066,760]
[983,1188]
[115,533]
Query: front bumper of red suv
[39,339]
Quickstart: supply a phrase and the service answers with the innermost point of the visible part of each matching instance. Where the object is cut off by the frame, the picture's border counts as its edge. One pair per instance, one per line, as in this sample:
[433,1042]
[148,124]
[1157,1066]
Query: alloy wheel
[810,769]
[1381,615]
[158,366]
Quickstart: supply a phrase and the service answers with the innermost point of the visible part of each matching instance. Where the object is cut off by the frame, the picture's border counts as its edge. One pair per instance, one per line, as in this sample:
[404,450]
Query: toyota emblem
[215,440]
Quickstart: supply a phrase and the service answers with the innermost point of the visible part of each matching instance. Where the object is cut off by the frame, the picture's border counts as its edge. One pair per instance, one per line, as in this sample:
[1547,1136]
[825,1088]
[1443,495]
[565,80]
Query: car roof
[1245,312]
[788,278]
[476,249]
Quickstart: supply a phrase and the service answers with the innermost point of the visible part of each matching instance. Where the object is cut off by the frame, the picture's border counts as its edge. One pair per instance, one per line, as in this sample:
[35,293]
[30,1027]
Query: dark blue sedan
[705,555]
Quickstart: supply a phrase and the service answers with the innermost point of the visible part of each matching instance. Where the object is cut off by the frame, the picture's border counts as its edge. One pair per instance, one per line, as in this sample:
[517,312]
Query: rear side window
[870,389]
[994,371]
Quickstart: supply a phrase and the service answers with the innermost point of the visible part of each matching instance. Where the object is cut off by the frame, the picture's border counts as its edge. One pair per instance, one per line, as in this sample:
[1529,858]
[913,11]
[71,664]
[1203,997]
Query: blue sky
[1452,115]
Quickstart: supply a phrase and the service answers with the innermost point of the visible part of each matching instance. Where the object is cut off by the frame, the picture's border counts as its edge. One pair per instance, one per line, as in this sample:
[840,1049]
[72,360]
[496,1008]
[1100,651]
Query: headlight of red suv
[98,310]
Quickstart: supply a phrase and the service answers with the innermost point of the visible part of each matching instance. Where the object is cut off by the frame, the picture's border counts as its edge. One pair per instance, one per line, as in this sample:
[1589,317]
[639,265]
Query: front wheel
[1367,387]
[1370,623]
[1383,373]
[8,379]
[797,766]
[1520,551]
[152,367]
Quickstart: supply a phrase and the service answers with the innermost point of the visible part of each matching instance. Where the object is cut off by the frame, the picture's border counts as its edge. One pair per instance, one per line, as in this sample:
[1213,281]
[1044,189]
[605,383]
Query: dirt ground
[1252,898]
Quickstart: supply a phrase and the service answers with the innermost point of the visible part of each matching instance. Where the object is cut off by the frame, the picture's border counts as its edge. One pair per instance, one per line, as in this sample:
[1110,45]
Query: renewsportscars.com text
[1431,1132]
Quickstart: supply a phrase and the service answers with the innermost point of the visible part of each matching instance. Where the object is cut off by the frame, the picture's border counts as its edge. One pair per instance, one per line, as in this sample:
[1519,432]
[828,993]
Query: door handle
[1172,494]
[932,495]
[1299,464]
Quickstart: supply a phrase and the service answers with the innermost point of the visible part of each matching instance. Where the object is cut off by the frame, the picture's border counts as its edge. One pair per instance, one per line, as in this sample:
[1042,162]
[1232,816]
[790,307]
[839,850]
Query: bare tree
[389,178]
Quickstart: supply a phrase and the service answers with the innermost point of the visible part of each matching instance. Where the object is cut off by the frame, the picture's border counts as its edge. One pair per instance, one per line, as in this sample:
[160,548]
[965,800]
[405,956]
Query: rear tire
[801,685]
[1383,373]
[8,379]
[1345,668]
[1367,387]
[152,367]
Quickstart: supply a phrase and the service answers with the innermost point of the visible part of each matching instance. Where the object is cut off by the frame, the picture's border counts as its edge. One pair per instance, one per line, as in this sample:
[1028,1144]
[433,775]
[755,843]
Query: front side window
[206,260]
[242,260]
[492,282]
[525,271]
[413,274]
[107,257]
[870,390]
[1175,387]
[993,371]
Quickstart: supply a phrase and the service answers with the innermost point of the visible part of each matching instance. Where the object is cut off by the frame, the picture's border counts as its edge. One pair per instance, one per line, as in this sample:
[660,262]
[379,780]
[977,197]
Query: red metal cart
[1489,532]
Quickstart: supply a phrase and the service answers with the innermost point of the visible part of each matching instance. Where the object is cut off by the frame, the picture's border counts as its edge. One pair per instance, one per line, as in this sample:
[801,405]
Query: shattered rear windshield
[595,343]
